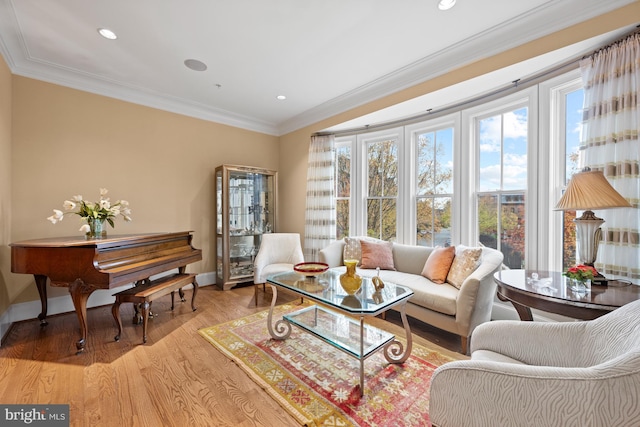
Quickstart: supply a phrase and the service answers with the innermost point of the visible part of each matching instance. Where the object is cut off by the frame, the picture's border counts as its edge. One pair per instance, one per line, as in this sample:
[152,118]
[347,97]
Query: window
[573,119]
[382,188]
[343,188]
[434,186]
[502,183]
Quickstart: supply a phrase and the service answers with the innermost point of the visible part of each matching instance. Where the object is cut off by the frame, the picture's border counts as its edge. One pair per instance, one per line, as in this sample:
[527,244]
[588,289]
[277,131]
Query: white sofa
[544,374]
[440,305]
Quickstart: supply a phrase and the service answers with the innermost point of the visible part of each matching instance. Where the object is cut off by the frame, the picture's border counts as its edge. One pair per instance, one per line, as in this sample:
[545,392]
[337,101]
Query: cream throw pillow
[376,255]
[438,264]
[464,263]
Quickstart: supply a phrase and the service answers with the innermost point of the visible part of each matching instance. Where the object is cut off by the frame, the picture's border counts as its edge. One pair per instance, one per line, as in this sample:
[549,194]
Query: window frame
[470,170]
[553,94]
[411,133]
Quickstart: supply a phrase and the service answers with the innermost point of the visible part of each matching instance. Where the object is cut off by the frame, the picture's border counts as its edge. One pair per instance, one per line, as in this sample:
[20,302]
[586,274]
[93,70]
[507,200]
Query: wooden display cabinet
[245,210]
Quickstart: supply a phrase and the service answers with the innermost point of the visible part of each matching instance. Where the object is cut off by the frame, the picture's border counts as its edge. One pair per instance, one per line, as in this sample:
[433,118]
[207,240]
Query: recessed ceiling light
[195,65]
[107,33]
[281,97]
[446,4]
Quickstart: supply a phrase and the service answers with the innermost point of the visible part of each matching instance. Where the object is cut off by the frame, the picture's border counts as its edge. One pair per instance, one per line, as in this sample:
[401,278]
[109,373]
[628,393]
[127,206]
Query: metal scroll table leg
[282,329]
[395,352]
[41,283]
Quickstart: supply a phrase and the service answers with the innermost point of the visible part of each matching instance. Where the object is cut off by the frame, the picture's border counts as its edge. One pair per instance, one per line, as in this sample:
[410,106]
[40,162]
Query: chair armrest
[482,393]
[529,342]
[332,254]
[259,263]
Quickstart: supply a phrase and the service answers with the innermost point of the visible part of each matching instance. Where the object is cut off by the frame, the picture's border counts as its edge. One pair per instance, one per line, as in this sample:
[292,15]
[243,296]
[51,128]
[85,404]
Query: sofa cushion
[377,254]
[464,263]
[410,258]
[352,248]
[442,299]
[438,264]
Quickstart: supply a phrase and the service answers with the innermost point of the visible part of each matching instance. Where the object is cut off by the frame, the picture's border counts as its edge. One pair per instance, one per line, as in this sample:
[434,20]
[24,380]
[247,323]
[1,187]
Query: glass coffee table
[339,318]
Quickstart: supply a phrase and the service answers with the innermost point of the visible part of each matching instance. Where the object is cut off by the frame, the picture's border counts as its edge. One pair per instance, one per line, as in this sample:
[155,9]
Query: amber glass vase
[350,281]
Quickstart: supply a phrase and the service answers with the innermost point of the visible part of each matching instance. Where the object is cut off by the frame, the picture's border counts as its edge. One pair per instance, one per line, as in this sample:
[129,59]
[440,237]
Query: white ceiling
[326,56]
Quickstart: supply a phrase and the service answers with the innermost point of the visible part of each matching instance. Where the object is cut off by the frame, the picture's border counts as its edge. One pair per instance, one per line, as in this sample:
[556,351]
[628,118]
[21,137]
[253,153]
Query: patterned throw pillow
[438,264]
[463,265]
[352,249]
[377,254]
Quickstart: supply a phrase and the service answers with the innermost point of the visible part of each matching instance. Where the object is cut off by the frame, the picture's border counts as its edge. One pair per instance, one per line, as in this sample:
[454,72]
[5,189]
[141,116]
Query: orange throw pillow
[376,255]
[438,264]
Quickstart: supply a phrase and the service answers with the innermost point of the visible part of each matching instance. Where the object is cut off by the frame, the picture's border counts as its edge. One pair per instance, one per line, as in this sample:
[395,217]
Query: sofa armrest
[332,254]
[475,299]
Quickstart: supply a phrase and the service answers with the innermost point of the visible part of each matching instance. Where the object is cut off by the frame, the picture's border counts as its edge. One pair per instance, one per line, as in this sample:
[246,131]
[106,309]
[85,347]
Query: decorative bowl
[310,269]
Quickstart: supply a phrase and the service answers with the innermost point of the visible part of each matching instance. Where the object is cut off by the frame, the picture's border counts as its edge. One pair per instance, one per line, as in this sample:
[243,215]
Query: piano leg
[41,283]
[80,293]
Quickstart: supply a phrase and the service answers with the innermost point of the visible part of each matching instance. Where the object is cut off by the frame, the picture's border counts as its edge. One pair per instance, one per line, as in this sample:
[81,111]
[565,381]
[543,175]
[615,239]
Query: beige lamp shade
[590,190]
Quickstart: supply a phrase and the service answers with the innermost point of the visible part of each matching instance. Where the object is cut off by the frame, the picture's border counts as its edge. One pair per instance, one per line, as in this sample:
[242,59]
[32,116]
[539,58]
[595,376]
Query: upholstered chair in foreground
[581,374]
[278,252]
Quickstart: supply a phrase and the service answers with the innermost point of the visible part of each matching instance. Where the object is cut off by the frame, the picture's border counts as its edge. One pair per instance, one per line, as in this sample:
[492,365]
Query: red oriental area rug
[319,385]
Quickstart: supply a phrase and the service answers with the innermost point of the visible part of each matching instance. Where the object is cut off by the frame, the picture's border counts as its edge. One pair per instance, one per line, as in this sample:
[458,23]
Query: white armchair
[540,374]
[278,252]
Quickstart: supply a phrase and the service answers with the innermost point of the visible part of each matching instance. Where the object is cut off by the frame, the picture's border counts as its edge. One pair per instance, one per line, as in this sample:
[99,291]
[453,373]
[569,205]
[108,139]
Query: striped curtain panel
[320,214]
[611,79]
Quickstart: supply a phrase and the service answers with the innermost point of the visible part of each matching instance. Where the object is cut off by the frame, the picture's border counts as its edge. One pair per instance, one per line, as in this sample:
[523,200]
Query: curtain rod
[514,86]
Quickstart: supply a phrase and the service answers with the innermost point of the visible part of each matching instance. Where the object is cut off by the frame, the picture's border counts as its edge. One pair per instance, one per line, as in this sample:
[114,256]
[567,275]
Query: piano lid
[106,262]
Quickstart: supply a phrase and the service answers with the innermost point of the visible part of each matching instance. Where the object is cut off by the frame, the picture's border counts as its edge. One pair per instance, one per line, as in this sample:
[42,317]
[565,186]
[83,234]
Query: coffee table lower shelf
[345,333]
[353,337]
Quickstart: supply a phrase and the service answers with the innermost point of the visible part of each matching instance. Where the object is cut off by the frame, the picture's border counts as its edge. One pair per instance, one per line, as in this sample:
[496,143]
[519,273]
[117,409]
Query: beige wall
[68,142]
[293,146]
[5,182]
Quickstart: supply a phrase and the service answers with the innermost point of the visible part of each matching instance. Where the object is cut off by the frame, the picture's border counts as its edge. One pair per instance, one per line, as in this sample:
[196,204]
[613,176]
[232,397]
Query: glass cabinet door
[245,209]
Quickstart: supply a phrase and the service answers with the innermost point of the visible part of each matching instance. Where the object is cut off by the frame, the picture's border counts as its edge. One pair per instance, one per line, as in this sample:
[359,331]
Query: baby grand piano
[85,265]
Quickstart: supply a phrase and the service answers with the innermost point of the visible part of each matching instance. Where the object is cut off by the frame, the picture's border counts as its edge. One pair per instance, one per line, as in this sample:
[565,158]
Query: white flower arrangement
[101,210]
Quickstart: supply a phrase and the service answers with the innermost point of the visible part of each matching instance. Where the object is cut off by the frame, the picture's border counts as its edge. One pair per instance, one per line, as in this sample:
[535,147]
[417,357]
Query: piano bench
[150,290]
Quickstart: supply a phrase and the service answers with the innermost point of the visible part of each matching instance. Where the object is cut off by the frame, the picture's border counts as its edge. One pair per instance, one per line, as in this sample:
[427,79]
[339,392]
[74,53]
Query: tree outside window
[343,189]
[434,187]
[382,189]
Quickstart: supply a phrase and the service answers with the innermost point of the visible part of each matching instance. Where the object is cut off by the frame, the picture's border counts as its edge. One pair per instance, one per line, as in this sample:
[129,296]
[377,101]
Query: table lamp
[589,190]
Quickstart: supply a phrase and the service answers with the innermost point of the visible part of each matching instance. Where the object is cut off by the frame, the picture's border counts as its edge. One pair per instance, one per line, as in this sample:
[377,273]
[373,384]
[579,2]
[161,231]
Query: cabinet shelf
[245,210]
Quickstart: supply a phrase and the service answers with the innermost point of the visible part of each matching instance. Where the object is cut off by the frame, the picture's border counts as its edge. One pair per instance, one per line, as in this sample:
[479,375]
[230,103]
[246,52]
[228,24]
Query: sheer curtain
[320,213]
[611,79]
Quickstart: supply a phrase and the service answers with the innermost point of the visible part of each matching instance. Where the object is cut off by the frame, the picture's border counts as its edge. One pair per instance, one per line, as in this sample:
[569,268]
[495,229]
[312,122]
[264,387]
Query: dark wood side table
[550,292]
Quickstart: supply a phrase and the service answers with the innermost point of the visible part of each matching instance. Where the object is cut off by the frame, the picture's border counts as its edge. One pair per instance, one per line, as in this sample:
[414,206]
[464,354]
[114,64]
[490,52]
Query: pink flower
[581,272]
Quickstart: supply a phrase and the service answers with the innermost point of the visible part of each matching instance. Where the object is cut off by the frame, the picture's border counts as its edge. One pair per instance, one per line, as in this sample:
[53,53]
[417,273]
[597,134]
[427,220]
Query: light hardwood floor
[175,379]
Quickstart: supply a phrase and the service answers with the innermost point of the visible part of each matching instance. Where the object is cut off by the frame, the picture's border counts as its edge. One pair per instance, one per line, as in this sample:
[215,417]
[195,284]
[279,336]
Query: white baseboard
[63,304]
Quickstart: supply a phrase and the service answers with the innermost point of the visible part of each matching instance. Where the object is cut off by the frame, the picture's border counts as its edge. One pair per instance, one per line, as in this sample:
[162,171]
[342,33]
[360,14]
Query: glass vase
[579,286]
[350,281]
[97,228]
